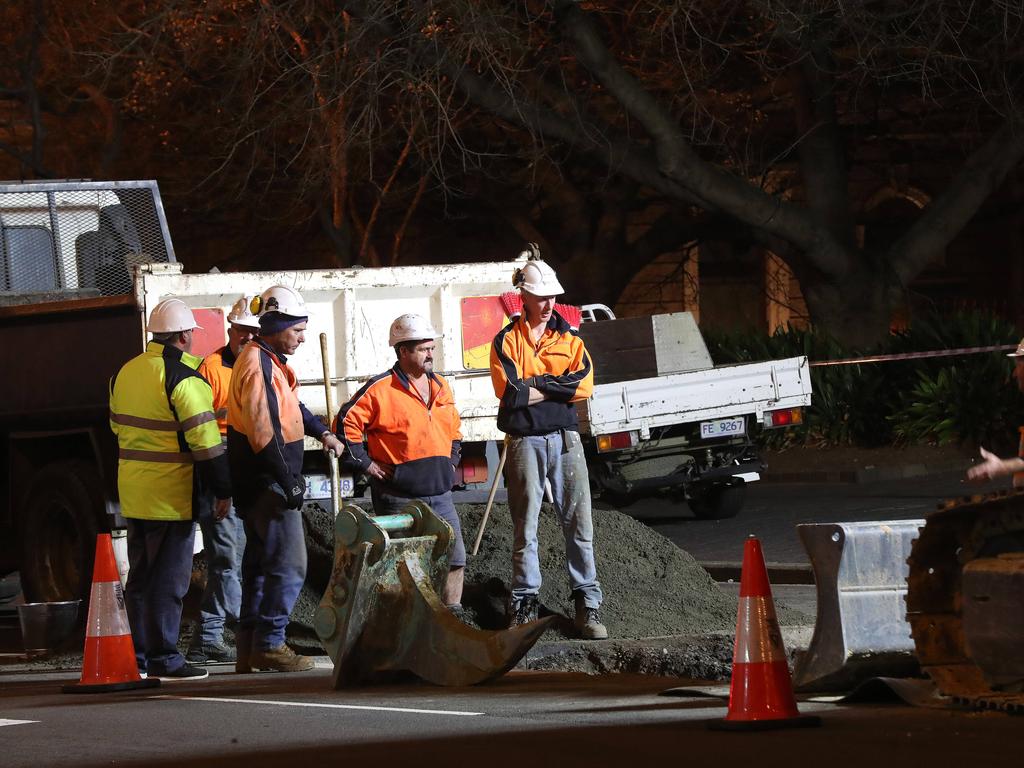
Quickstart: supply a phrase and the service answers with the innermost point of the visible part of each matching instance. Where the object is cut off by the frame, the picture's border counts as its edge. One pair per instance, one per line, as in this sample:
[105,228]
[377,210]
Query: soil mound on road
[651,587]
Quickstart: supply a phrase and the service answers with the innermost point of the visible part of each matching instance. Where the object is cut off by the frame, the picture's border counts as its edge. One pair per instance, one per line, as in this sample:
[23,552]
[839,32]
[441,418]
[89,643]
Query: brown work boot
[280,659]
[523,611]
[588,622]
[243,651]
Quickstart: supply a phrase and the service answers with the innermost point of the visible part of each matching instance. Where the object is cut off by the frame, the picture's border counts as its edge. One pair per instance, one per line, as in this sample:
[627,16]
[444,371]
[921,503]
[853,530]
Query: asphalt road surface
[772,511]
[524,719]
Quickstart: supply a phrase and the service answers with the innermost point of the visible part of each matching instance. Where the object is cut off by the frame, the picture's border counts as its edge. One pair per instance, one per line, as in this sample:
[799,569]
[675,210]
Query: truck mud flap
[382,614]
[861,629]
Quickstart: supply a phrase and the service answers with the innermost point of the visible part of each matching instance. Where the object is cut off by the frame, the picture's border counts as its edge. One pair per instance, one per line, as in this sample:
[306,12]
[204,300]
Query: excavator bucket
[382,614]
[861,630]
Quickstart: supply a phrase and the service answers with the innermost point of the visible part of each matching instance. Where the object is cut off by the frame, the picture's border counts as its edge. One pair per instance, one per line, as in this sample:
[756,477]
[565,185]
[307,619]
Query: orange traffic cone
[761,693]
[109,661]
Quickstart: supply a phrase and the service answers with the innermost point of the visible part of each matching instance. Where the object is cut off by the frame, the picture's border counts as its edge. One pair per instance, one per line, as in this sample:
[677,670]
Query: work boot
[523,611]
[207,653]
[185,672]
[280,659]
[588,622]
[243,650]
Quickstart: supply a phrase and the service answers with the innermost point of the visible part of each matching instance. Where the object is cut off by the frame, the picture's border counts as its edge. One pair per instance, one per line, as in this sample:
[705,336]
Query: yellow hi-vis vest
[161,410]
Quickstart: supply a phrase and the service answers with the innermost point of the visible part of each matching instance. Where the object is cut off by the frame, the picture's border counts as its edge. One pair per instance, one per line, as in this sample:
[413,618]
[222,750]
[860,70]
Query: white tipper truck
[82,264]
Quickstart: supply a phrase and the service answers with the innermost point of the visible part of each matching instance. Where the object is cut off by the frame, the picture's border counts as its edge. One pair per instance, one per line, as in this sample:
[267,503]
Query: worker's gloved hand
[295,492]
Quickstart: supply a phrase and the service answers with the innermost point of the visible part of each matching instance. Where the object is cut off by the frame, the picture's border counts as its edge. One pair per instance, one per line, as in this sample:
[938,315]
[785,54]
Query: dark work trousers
[273,568]
[160,562]
[223,543]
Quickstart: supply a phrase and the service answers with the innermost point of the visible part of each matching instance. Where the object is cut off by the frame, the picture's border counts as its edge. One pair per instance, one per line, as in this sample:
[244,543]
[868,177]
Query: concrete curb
[865,475]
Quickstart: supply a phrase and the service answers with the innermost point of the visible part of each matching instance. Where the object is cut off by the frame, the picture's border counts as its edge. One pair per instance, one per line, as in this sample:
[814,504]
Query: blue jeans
[273,569]
[223,542]
[160,562]
[557,456]
[442,506]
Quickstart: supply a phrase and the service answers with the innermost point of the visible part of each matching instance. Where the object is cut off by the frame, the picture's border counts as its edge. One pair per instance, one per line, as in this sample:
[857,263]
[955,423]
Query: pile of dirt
[652,588]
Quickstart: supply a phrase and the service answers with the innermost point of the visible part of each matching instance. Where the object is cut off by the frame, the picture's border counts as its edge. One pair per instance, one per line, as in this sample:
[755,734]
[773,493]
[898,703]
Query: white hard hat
[171,316]
[411,328]
[241,314]
[281,298]
[538,278]
[1019,352]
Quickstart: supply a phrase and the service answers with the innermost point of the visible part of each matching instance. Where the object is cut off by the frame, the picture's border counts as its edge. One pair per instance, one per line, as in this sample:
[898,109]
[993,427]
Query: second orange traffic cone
[109,660]
[761,692]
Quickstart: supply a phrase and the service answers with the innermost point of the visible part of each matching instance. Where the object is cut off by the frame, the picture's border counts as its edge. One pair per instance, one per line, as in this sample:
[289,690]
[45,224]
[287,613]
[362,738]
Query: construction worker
[224,539]
[992,466]
[161,410]
[266,424]
[409,418]
[540,368]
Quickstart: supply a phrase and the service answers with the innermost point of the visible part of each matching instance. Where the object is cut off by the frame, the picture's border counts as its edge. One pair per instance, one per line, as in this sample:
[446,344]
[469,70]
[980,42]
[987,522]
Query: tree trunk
[857,310]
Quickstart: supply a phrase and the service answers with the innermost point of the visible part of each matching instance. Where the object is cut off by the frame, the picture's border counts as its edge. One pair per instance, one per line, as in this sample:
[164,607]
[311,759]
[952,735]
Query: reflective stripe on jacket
[558,365]
[422,440]
[266,423]
[216,369]
[161,411]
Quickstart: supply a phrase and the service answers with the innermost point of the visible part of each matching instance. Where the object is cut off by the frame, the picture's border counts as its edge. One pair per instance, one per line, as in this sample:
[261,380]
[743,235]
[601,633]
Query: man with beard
[412,427]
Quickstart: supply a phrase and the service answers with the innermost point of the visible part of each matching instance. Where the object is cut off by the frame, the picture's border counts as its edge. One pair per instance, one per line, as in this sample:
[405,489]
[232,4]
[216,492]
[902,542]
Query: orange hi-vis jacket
[422,440]
[558,365]
[266,423]
[216,369]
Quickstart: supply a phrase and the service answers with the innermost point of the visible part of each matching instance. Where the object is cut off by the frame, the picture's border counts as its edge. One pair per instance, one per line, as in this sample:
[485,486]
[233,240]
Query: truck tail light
[616,441]
[472,469]
[787,417]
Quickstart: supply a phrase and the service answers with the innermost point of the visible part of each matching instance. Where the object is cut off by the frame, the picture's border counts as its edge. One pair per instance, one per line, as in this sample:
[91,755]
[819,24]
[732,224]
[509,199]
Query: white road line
[324,706]
[15,722]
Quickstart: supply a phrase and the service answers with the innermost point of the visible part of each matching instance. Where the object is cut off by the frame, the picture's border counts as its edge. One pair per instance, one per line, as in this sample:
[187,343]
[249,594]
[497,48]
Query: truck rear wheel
[718,501]
[59,522]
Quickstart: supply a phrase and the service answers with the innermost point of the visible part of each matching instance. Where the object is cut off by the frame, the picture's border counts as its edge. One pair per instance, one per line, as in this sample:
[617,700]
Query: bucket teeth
[450,652]
[381,613]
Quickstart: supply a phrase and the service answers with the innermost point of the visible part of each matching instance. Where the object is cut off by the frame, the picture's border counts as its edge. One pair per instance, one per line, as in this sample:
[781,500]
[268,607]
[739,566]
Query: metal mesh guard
[78,239]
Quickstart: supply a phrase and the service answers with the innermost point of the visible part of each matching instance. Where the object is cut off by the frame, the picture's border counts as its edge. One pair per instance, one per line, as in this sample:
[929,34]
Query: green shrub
[962,399]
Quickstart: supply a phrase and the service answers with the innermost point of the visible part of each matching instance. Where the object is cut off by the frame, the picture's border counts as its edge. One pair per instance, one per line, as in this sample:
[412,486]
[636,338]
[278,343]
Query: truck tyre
[718,501]
[59,520]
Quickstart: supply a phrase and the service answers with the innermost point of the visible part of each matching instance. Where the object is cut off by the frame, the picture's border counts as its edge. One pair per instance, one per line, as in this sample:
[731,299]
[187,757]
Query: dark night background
[759,164]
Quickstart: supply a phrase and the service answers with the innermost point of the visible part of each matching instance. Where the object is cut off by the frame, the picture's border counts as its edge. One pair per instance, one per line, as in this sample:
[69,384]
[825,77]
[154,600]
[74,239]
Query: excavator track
[965,600]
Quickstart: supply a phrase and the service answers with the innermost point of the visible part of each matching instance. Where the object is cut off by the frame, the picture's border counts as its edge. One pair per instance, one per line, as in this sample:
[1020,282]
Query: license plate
[723,427]
[319,486]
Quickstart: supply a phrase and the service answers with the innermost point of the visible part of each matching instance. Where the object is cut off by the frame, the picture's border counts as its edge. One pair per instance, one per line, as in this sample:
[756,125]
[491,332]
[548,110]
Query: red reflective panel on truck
[473,470]
[482,318]
[213,334]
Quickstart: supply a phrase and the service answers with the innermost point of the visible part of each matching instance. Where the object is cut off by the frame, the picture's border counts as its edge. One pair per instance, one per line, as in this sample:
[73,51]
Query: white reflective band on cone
[753,645]
[107,615]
